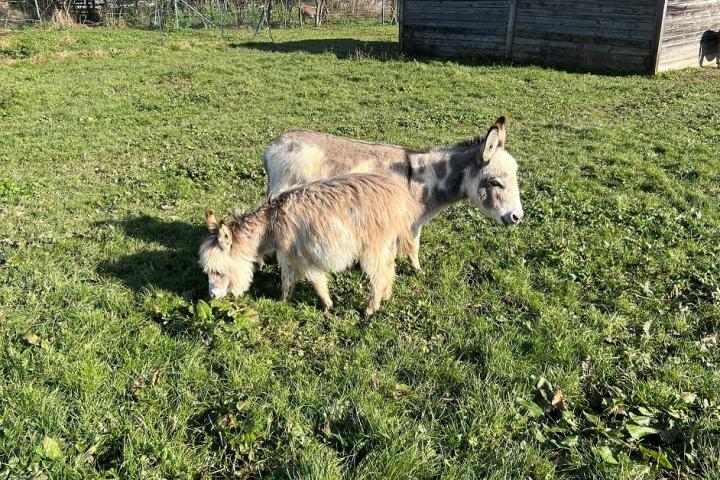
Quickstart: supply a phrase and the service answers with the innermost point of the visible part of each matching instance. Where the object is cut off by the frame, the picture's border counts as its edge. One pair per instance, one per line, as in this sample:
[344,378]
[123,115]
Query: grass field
[581,344]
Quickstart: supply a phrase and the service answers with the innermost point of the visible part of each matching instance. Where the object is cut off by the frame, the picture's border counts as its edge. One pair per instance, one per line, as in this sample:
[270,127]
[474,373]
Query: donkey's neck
[439,178]
[252,234]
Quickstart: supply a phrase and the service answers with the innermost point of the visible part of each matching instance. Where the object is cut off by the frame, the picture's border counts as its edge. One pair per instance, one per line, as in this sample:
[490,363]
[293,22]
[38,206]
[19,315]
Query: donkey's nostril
[511,218]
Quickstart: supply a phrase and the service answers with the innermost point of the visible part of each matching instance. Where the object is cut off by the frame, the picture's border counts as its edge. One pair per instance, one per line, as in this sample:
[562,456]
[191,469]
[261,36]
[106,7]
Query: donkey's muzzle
[512,218]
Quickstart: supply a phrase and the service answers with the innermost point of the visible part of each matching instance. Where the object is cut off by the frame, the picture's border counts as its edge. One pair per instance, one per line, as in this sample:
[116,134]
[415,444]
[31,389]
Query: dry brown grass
[62,18]
[68,40]
[109,20]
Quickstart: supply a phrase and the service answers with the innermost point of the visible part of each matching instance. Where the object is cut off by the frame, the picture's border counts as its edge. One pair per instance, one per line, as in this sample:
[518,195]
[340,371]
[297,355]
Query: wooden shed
[632,35]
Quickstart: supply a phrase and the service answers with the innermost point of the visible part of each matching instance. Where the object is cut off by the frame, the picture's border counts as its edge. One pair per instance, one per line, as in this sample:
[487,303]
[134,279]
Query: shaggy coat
[318,228]
[480,170]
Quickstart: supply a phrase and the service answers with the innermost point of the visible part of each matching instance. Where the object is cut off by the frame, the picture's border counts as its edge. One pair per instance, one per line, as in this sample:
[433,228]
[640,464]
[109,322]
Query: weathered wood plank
[419,7]
[608,36]
[694,38]
[531,43]
[455,30]
[463,49]
[527,18]
[626,8]
[499,19]
[591,60]
[457,3]
[641,17]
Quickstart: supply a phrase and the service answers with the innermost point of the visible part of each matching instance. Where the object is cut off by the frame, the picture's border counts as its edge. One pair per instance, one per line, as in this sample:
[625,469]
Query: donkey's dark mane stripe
[473,142]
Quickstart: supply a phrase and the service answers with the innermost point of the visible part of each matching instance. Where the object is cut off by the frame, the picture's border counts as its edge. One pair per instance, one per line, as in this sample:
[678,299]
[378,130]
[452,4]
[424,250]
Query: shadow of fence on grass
[355,49]
[342,48]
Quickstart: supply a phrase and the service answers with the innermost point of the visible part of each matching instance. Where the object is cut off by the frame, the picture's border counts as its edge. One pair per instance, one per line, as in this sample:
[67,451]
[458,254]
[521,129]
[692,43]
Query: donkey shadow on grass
[170,262]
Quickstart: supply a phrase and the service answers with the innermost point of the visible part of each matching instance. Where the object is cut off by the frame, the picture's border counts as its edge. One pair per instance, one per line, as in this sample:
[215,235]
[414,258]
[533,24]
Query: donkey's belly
[334,250]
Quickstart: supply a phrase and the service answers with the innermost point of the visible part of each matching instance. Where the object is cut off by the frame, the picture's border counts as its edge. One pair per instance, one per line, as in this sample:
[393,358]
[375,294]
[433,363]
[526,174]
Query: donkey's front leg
[415,254]
[288,276]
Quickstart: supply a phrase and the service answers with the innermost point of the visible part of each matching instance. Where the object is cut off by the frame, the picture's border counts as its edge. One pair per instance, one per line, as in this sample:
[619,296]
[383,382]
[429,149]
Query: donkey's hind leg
[319,280]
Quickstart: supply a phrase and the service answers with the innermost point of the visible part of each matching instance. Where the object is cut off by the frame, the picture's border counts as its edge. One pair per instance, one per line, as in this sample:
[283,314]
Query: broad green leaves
[616,432]
[50,449]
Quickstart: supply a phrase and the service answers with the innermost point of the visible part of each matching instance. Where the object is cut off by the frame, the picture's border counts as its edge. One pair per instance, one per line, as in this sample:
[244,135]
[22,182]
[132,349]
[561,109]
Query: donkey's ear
[211,221]
[495,139]
[224,236]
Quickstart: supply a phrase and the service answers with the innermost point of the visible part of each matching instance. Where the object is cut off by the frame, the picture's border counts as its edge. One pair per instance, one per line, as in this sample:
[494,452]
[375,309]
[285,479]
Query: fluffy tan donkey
[318,228]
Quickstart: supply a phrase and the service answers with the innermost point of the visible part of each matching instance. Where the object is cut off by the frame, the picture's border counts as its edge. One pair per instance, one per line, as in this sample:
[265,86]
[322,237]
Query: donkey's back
[301,156]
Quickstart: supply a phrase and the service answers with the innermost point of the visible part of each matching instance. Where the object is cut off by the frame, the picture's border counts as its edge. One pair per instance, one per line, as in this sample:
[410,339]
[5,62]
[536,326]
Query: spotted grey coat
[481,170]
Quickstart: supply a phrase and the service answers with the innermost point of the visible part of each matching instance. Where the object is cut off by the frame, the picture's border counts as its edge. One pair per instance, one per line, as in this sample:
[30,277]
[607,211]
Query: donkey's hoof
[416,266]
[369,312]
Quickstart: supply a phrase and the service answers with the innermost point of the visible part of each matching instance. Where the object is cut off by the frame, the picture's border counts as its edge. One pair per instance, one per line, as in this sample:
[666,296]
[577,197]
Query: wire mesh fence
[194,13]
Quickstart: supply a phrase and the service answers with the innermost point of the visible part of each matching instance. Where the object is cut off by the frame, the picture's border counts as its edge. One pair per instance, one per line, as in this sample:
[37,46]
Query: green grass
[112,145]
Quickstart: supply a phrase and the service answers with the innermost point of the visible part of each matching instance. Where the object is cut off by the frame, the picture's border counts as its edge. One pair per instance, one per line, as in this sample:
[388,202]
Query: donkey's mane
[237,217]
[246,223]
[470,143]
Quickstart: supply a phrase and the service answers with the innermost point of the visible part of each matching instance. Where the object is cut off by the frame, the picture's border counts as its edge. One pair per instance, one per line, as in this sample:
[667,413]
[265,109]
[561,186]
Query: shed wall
[689,36]
[470,28]
[614,34]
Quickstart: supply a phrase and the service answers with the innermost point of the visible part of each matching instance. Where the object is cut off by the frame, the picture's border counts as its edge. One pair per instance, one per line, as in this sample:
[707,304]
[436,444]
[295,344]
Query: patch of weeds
[210,322]
[238,430]
[612,429]
[203,171]
[20,49]
[9,191]
[8,97]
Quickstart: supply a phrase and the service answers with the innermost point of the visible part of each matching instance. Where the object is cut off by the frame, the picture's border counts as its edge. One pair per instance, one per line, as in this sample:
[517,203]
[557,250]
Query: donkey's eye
[495,183]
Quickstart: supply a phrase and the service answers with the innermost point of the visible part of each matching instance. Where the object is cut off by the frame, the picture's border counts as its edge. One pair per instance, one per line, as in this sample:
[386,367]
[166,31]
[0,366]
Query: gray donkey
[479,169]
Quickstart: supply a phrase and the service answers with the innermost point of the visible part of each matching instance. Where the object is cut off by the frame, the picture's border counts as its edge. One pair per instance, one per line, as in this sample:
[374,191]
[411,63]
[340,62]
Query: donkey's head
[225,273]
[494,186]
